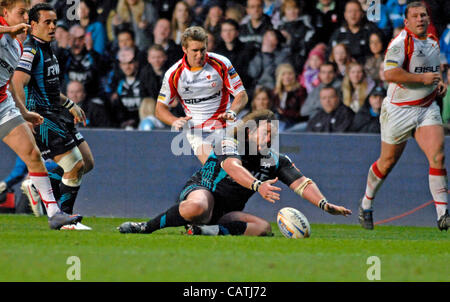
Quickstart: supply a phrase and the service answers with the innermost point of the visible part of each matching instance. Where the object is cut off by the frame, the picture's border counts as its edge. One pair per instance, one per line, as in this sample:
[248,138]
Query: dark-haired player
[213,199]
[36,80]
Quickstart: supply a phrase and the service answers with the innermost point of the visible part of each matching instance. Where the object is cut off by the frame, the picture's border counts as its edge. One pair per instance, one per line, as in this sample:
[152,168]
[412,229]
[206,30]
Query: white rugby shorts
[10,116]
[399,122]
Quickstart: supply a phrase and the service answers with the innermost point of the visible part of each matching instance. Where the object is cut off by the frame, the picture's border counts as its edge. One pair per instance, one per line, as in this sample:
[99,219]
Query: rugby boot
[77,227]
[133,227]
[444,222]
[193,230]
[59,219]
[366,218]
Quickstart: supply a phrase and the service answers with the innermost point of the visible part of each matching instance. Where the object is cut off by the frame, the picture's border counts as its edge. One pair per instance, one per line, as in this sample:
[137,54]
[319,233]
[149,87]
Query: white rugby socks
[42,184]
[439,189]
[374,181]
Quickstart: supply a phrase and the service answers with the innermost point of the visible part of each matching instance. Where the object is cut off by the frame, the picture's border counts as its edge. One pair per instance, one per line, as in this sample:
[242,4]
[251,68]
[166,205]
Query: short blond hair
[8,4]
[194,33]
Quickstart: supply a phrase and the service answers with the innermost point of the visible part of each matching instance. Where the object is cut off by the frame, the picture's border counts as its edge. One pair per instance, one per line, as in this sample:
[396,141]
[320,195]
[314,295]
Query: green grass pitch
[30,251]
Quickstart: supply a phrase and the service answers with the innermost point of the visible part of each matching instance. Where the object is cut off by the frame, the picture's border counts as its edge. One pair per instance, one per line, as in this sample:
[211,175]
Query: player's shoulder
[30,46]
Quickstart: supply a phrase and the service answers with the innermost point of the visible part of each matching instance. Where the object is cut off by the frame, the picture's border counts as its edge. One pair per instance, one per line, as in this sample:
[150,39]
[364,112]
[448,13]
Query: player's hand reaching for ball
[337,210]
[268,191]
[78,115]
[180,122]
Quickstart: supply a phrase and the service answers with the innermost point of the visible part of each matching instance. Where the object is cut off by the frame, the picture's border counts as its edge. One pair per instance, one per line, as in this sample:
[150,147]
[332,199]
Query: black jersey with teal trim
[43,90]
[263,167]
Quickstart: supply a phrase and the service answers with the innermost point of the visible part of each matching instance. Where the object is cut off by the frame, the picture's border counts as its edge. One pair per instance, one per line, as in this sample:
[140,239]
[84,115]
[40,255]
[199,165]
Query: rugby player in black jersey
[37,85]
[213,199]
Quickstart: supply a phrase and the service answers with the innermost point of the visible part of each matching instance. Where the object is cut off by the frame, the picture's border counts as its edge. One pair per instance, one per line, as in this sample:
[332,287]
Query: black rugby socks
[170,218]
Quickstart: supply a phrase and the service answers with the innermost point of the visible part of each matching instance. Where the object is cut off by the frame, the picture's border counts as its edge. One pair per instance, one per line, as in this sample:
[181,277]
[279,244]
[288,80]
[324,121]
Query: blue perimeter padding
[137,175]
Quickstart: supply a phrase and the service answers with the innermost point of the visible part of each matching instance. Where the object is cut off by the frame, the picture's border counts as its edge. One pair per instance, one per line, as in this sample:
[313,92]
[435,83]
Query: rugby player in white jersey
[411,66]
[203,82]
[14,131]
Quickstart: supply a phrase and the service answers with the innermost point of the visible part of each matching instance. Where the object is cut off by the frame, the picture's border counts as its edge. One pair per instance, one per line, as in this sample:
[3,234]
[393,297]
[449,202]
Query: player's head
[417,18]
[194,42]
[14,12]
[43,21]
[258,128]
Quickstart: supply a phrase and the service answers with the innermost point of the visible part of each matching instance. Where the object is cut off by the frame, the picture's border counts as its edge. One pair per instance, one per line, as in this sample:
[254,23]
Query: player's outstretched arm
[242,176]
[16,87]
[308,190]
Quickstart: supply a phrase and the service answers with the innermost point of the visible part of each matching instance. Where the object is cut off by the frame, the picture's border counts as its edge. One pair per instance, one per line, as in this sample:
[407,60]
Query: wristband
[232,113]
[256,184]
[68,104]
[322,204]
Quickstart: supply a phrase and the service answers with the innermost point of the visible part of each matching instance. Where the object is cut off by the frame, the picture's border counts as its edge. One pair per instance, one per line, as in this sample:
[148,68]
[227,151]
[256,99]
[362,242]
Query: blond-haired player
[203,82]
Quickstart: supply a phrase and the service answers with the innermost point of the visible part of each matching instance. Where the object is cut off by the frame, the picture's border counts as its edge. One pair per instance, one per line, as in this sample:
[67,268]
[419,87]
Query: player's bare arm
[308,190]
[238,104]
[242,176]
[163,114]
[78,114]
[16,87]
[15,30]
[401,76]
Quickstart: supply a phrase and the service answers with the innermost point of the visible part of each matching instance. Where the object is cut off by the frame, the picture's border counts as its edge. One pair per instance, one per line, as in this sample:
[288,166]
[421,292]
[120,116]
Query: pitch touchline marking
[406,213]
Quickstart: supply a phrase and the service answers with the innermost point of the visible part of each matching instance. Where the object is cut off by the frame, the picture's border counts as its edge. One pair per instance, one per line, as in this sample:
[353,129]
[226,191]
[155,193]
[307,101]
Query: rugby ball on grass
[293,224]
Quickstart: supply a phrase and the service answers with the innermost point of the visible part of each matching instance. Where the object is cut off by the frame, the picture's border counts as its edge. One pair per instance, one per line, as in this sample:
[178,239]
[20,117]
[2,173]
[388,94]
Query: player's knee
[195,211]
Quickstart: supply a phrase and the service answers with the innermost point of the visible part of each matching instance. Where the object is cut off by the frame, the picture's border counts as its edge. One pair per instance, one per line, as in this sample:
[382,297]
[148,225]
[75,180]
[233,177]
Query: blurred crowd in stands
[317,63]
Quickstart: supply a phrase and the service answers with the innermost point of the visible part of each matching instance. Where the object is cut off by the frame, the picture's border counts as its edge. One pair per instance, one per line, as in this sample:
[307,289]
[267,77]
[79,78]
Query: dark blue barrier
[136,175]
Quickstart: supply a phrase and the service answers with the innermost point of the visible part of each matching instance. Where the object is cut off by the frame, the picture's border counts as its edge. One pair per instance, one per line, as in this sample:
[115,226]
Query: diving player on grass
[213,199]
[36,81]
